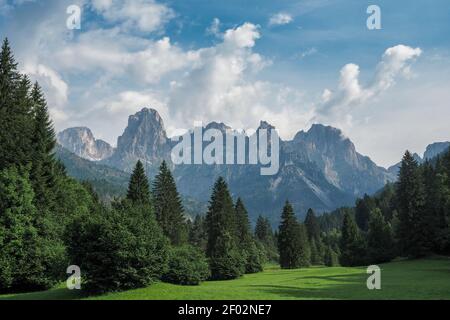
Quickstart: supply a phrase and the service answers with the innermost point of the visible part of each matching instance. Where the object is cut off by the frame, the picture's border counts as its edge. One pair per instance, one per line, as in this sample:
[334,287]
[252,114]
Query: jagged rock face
[436,149]
[81,142]
[319,168]
[336,156]
[144,139]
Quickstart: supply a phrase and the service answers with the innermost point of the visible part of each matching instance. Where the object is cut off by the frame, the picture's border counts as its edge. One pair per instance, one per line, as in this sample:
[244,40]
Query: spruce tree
[225,260]
[413,227]
[292,241]
[15,115]
[362,212]
[138,187]
[265,236]
[246,242]
[43,143]
[168,206]
[314,237]
[380,241]
[197,233]
[352,244]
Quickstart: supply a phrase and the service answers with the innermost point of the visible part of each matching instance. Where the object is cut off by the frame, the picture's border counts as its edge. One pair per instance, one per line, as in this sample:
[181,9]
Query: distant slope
[107,182]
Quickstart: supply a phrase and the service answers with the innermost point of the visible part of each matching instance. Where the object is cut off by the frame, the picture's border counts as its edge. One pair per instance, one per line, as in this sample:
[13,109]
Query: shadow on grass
[60,293]
[342,286]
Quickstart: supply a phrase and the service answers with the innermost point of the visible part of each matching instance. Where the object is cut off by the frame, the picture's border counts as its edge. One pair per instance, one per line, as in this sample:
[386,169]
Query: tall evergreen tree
[225,260]
[292,241]
[413,227]
[352,244]
[362,211]
[15,115]
[380,240]
[138,188]
[246,242]
[43,143]
[314,237]
[265,236]
[168,206]
[197,233]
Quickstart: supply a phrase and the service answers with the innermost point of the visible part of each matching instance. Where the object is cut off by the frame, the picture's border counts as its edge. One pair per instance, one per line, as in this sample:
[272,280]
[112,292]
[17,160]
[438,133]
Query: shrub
[118,249]
[187,266]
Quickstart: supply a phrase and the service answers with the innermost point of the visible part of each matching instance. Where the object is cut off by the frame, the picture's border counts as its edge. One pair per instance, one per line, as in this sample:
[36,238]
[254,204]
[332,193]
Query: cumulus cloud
[336,106]
[142,15]
[117,56]
[280,18]
[55,88]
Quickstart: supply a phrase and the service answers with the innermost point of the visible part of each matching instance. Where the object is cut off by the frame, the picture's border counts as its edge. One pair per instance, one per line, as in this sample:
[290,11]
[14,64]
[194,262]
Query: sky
[291,63]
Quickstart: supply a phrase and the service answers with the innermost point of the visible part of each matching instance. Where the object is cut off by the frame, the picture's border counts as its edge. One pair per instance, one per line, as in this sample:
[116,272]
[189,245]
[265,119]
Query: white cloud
[336,106]
[214,28]
[280,19]
[142,15]
[55,88]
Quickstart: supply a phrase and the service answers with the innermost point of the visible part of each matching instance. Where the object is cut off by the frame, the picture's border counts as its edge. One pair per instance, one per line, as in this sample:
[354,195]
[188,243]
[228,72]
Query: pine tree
[331,258]
[138,188]
[43,142]
[362,212]
[413,226]
[380,240]
[317,246]
[15,113]
[352,244]
[292,241]
[222,249]
[265,236]
[437,201]
[246,242]
[168,206]
[197,233]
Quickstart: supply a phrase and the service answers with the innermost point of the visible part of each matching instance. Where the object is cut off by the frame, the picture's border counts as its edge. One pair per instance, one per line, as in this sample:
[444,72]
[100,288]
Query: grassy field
[418,279]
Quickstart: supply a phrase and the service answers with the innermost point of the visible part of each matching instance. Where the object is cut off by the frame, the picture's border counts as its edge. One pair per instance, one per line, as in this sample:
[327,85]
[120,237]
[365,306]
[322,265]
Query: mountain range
[319,168]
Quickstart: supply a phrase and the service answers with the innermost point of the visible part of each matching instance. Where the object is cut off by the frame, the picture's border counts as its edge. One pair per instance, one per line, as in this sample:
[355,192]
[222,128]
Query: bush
[187,266]
[118,249]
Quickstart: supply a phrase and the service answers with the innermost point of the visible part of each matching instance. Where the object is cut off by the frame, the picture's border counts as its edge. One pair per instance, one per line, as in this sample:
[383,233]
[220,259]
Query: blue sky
[291,63]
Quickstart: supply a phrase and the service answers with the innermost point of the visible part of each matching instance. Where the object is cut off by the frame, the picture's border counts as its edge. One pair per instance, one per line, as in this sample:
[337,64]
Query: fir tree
[331,258]
[246,242]
[362,212]
[15,114]
[317,246]
[43,143]
[380,241]
[138,188]
[168,206]
[222,250]
[413,226]
[265,236]
[197,233]
[352,244]
[292,241]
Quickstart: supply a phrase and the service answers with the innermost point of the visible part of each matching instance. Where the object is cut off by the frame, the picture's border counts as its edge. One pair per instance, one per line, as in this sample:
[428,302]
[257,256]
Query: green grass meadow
[405,279]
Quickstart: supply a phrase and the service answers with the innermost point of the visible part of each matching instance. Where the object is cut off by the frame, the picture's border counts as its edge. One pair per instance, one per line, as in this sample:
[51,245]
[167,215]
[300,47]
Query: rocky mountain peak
[435,149]
[144,139]
[81,141]
[219,126]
